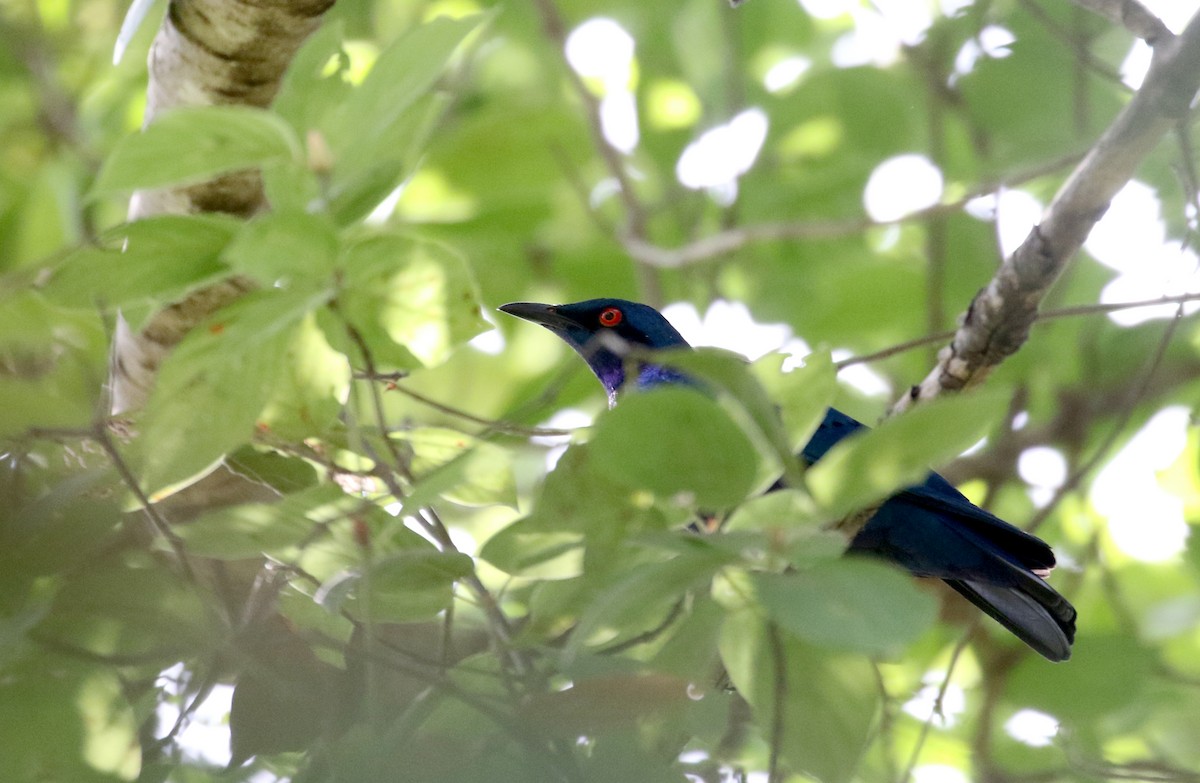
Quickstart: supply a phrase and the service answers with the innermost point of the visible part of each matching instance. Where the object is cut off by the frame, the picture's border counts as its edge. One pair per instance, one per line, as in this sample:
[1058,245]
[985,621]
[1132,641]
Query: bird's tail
[1031,610]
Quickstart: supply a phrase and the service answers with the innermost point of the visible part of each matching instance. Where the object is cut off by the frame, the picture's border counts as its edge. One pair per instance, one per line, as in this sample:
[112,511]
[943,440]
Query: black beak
[544,314]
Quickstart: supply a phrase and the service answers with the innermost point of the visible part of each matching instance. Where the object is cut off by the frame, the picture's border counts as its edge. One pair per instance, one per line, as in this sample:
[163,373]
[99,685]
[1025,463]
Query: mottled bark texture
[998,320]
[206,52]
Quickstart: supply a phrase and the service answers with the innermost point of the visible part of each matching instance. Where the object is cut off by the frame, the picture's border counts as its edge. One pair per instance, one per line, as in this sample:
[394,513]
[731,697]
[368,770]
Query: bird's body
[931,529]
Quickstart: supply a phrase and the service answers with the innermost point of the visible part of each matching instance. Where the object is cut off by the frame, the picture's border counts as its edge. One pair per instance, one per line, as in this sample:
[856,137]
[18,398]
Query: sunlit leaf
[848,604]
[803,394]
[477,472]
[252,529]
[128,267]
[282,247]
[409,302]
[212,388]
[868,467]
[731,374]
[76,725]
[676,441]
[192,143]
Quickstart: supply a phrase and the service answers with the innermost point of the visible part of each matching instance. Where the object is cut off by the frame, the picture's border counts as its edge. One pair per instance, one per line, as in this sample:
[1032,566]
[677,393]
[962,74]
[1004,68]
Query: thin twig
[1048,315]
[997,322]
[1110,440]
[426,517]
[728,241]
[498,425]
[100,434]
[938,701]
[779,690]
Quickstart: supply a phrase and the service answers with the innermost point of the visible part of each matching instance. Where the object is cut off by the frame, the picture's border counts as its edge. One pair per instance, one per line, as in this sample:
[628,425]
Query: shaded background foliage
[434,604]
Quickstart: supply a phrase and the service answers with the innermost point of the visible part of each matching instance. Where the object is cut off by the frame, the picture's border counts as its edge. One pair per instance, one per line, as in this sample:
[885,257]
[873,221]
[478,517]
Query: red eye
[611,316]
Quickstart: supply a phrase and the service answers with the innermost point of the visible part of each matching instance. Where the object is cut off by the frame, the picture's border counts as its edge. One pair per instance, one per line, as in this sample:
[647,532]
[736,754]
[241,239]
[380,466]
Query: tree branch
[997,322]
[734,239]
[1131,15]
[207,52]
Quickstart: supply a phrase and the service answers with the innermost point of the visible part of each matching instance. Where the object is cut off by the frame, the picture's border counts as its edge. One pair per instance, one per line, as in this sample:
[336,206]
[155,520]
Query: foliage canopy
[407,591]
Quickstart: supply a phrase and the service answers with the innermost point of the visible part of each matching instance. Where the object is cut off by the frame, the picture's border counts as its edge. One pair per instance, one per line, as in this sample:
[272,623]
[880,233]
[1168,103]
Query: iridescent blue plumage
[931,528]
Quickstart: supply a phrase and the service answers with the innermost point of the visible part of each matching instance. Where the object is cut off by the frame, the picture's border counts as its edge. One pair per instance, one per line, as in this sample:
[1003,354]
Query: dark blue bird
[930,528]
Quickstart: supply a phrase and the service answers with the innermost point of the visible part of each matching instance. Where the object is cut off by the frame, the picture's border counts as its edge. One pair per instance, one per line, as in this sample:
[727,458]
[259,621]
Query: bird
[931,529]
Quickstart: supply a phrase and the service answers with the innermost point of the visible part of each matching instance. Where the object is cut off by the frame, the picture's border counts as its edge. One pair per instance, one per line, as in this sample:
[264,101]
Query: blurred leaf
[599,704]
[58,531]
[1083,691]
[143,612]
[128,268]
[375,133]
[50,374]
[803,394]
[673,441]
[525,549]
[868,467]
[307,398]
[848,604]
[228,365]
[284,247]
[63,721]
[579,503]
[783,508]
[252,529]
[315,82]
[646,591]
[410,585]
[411,302]
[825,705]
[191,143]
[731,374]
[473,472]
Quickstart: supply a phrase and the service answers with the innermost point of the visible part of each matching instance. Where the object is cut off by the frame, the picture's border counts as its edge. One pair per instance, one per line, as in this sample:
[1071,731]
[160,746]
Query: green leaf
[525,549]
[868,467]
[307,399]
[364,128]
[579,504]
[804,394]
[316,80]
[473,472]
[68,723]
[380,131]
[140,611]
[410,585]
[253,529]
[730,373]
[1086,691]
[823,704]
[642,596]
[604,704]
[848,604]
[412,302]
[212,388]
[283,247]
[282,473]
[128,268]
[404,71]
[191,144]
[783,508]
[51,364]
[676,441]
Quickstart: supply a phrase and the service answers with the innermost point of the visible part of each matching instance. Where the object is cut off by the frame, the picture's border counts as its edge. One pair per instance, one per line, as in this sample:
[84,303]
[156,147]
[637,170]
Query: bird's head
[605,332]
